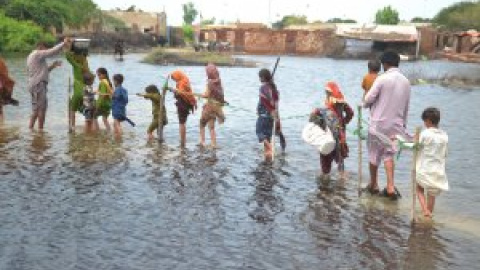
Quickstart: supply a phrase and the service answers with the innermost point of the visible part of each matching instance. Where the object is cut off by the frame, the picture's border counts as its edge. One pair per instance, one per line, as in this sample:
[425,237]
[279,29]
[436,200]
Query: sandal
[393,196]
[372,191]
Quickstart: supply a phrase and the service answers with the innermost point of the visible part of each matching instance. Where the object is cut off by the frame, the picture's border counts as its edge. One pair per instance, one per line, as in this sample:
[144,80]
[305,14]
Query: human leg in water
[213,136]
[183,135]
[106,123]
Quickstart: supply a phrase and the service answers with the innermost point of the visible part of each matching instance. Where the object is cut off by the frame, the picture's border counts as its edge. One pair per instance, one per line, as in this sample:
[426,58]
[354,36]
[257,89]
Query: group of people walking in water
[387,96]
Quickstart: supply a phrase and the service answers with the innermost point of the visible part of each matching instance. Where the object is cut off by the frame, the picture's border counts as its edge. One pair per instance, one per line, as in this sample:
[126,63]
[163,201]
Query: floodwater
[85,202]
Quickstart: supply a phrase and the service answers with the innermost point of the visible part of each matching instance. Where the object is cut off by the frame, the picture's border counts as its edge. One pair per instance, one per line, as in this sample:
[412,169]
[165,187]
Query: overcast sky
[258,10]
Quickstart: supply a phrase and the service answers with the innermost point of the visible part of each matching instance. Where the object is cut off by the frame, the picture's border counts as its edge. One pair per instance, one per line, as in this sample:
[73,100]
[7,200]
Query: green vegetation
[459,16]
[20,36]
[189,13]
[24,22]
[338,20]
[420,20]
[208,21]
[188,57]
[387,15]
[290,20]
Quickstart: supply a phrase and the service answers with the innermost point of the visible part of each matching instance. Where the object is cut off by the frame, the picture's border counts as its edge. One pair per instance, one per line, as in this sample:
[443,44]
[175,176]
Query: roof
[385,33]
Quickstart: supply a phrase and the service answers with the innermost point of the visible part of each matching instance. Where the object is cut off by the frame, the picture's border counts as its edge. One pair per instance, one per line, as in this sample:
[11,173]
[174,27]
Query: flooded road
[84,202]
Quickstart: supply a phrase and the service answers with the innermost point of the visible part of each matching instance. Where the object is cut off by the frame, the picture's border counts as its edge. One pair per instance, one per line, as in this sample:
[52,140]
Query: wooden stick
[160,115]
[360,161]
[414,174]
[69,107]
[273,140]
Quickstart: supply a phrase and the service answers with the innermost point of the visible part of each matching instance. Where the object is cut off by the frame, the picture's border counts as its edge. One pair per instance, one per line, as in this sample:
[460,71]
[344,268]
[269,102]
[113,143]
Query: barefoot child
[186,102]
[154,95]
[431,176]
[104,101]
[373,70]
[89,106]
[119,105]
[336,115]
[212,110]
[6,88]
[267,110]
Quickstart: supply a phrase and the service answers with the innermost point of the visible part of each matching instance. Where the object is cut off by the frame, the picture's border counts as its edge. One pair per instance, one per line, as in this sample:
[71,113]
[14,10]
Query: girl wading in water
[104,101]
[267,111]
[186,102]
[212,110]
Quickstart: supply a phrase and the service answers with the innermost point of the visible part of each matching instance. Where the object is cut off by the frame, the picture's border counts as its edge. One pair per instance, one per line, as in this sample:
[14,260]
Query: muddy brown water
[90,202]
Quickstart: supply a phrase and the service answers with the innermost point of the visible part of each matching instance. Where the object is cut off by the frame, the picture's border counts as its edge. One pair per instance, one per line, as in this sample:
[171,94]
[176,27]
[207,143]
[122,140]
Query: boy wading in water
[212,110]
[431,176]
[186,102]
[154,95]
[267,111]
[119,105]
[335,115]
[89,105]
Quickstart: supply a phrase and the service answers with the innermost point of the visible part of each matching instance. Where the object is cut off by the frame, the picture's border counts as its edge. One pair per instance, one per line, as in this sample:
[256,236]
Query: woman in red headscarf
[186,102]
[336,115]
[212,110]
[6,88]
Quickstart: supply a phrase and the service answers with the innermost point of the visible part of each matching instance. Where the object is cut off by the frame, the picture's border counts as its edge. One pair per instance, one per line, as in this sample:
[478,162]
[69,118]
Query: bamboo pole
[360,161]
[70,128]
[414,174]
[160,115]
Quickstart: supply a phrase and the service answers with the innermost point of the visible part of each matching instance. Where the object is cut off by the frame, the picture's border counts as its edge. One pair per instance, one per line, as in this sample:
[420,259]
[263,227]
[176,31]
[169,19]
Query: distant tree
[339,20]
[189,13]
[420,20]
[459,16]
[290,20]
[131,8]
[387,15]
[188,32]
[208,21]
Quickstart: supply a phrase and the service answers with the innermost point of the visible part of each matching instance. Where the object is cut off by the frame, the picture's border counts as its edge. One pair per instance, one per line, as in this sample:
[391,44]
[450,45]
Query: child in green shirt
[154,95]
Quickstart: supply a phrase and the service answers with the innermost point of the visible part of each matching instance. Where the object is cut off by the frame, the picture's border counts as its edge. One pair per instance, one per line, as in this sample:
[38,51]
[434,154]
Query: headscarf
[335,96]
[183,86]
[214,82]
[5,80]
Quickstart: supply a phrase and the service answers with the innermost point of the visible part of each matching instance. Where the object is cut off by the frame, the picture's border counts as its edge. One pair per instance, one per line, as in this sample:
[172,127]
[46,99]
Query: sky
[266,11]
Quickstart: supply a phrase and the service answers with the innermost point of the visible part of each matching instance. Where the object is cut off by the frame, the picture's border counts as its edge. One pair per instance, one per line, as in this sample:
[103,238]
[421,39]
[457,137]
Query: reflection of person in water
[424,250]
[268,204]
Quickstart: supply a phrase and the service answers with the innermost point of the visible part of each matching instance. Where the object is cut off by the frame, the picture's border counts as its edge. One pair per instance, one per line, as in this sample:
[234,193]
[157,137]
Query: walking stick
[160,113]
[414,174]
[274,120]
[360,161]
[69,107]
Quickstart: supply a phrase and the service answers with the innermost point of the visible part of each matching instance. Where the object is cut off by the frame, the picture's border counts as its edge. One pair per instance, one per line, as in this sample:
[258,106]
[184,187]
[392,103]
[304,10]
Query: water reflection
[425,248]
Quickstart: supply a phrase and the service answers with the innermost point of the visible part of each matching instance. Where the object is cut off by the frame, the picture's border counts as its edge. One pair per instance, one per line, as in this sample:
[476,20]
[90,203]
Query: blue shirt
[119,102]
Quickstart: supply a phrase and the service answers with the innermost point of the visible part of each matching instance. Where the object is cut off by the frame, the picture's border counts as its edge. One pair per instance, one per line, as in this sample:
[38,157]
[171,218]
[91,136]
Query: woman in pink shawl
[212,110]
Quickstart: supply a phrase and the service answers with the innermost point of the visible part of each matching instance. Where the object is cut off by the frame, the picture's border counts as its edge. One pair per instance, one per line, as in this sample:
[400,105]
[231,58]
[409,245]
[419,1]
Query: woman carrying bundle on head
[6,88]
[212,110]
[185,103]
[335,116]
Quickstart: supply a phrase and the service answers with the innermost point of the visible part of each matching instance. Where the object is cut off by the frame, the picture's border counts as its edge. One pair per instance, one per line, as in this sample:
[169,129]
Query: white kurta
[431,160]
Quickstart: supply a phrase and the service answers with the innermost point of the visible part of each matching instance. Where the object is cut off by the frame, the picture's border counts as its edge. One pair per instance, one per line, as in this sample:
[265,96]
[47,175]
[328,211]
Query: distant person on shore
[267,111]
[335,115]
[154,95]
[431,176]
[78,60]
[212,110]
[38,72]
[119,105]
[119,49]
[186,102]
[104,101]
[373,69]
[89,104]
[6,89]
[388,101]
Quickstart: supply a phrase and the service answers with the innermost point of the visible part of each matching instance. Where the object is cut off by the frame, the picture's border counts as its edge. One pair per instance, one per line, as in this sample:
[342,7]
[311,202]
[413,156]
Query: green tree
[339,20]
[189,13]
[20,36]
[387,15]
[208,21]
[459,16]
[290,20]
[131,8]
[420,20]
[188,32]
